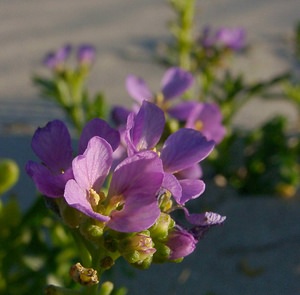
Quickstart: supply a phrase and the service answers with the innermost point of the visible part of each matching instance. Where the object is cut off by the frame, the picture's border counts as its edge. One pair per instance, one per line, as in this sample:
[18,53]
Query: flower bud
[9,174]
[137,248]
[86,54]
[181,243]
[162,226]
[69,215]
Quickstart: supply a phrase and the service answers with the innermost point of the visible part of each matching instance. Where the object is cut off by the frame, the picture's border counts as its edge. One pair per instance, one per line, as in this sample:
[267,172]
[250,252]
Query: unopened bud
[161,227]
[137,248]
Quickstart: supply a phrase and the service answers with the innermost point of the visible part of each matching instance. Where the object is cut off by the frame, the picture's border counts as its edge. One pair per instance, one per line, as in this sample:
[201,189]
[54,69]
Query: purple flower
[56,60]
[181,150]
[207,118]
[233,38]
[131,204]
[86,54]
[174,83]
[181,243]
[52,144]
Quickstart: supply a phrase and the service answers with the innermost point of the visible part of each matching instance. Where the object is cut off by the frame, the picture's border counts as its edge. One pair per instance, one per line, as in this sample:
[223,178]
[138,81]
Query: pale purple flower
[52,145]
[181,150]
[55,60]
[207,118]
[131,203]
[86,54]
[174,83]
[181,243]
[233,38]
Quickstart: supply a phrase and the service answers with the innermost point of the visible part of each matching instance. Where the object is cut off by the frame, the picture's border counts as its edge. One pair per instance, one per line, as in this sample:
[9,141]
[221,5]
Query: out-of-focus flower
[52,144]
[174,83]
[207,118]
[131,203]
[86,54]
[55,60]
[232,38]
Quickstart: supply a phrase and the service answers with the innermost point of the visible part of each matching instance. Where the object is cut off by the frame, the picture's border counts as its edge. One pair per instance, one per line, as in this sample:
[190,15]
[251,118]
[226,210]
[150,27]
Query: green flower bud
[161,227]
[137,248]
[69,215]
[162,253]
[107,262]
[9,174]
[91,231]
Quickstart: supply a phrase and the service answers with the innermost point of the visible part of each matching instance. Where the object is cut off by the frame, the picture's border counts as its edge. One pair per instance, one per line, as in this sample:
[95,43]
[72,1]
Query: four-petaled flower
[130,204]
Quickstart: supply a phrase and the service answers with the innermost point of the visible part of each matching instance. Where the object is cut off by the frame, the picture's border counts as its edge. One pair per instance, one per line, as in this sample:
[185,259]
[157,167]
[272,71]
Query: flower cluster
[129,202]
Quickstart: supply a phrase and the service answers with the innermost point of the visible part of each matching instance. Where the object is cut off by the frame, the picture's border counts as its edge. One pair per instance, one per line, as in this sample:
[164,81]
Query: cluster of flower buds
[123,205]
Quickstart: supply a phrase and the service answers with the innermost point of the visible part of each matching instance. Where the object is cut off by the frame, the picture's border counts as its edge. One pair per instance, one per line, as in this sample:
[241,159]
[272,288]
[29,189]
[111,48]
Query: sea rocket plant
[124,209]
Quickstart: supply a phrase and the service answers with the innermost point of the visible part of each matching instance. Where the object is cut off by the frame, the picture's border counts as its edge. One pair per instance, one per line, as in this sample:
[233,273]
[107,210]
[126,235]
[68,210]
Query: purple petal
[49,184]
[191,189]
[86,54]
[192,172]
[175,82]
[140,173]
[56,59]
[139,213]
[76,197]
[91,168]
[171,184]
[98,127]
[119,115]
[181,243]
[204,219]
[182,110]
[52,144]
[146,128]
[138,89]
[210,118]
[183,149]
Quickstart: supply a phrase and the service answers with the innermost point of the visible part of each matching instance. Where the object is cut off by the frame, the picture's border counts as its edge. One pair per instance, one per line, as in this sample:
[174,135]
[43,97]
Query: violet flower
[207,118]
[56,60]
[181,150]
[86,54]
[174,83]
[131,203]
[52,144]
[233,38]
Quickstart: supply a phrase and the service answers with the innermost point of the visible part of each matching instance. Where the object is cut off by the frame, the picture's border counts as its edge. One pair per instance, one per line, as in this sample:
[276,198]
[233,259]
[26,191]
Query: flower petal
[98,127]
[183,149]
[204,219]
[91,168]
[139,213]
[182,110]
[76,197]
[191,189]
[145,129]
[175,82]
[49,184]
[138,89]
[135,175]
[192,172]
[171,184]
[52,144]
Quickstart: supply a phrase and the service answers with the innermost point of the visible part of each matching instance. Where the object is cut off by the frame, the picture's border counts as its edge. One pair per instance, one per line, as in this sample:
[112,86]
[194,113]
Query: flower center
[199,125]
